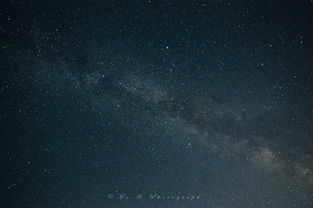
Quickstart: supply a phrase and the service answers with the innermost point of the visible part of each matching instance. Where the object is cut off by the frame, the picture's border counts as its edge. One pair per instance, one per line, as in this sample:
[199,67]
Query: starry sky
[209,98]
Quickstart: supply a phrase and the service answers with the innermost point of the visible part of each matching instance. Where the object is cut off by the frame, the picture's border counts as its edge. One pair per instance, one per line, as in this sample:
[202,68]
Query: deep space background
[176,98]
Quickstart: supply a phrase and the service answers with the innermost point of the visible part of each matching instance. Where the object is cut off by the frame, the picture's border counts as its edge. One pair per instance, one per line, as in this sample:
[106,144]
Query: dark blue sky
[208,99]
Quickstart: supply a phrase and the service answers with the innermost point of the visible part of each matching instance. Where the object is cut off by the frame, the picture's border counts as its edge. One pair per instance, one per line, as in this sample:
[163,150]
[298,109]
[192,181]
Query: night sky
[156,104]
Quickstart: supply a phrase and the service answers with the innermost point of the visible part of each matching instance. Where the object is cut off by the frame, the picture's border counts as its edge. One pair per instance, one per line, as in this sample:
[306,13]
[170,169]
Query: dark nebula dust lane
[123,104]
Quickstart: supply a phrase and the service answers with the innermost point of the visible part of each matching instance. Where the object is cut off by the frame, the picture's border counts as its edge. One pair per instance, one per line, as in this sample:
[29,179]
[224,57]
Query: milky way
[174,99]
